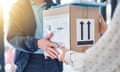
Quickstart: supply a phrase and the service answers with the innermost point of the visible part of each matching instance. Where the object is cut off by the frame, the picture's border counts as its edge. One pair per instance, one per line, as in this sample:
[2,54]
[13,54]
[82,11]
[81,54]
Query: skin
[102,24]
[48,46]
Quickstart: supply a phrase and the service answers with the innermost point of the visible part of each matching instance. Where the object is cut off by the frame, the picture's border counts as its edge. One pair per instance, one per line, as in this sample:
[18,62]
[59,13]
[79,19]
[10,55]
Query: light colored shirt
[104,56]
[37,10]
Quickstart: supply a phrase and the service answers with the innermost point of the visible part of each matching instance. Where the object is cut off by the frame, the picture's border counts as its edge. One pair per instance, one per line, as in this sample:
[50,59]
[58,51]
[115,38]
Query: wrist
[39,44]
[62,54]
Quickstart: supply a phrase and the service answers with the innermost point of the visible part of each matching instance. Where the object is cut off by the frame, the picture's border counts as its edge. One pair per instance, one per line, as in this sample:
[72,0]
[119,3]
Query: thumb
[49,36]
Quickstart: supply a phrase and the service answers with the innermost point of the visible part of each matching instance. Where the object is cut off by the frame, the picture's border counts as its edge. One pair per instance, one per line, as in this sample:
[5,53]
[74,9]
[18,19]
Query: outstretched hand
[62,55]
[48,46]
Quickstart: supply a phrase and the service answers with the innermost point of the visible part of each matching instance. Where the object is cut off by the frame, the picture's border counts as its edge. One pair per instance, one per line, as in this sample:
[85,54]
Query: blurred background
[7,51]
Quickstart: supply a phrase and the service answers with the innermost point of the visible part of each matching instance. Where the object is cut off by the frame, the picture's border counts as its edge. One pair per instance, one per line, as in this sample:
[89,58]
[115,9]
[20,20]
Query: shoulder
[20,9]
[20,5]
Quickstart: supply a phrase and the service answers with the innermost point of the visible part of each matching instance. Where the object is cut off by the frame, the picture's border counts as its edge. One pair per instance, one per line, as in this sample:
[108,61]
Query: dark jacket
[21,32]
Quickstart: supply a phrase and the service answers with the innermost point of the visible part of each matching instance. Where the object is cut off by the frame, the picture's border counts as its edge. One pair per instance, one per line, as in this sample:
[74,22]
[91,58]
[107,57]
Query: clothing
[21,35]
[104,56]
[43,65]
[113,6]
[37,10]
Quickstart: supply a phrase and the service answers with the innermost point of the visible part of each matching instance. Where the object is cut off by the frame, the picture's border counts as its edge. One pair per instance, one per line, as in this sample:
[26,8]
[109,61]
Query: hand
[102,24]
[48,46]
[62,56]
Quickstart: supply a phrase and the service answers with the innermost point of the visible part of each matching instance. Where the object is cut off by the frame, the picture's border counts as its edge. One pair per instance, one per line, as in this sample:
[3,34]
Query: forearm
[25,44]
[86,63]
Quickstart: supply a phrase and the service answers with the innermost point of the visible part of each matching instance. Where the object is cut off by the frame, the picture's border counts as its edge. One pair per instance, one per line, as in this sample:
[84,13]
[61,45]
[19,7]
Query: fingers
[52,52]
[49,36]
[50,55]
[62,55]
[103,25]
[53,44]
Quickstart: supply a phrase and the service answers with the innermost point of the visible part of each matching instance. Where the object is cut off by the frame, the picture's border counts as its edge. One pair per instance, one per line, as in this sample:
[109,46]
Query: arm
[21,30]
[25,44]
[102,57]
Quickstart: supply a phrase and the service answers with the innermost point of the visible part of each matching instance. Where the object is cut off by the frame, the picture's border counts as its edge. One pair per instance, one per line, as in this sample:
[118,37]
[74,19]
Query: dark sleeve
[25,44]
[21,30]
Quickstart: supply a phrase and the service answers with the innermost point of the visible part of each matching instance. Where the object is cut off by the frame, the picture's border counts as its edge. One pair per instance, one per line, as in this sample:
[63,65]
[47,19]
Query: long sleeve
[25,44]
[104,56]
[22,27]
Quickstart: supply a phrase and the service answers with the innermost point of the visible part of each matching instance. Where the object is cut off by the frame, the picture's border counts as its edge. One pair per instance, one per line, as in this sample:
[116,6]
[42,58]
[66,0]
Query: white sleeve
[104,56]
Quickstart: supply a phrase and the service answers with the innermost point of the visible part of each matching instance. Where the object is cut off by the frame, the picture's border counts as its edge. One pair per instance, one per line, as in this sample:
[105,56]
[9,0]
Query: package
[75,26]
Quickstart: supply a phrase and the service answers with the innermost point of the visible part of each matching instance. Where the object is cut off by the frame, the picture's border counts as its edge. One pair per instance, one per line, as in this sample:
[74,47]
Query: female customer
[103,56]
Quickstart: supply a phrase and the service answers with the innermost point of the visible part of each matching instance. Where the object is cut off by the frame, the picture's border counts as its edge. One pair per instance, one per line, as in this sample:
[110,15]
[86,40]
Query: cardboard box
[75,26]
